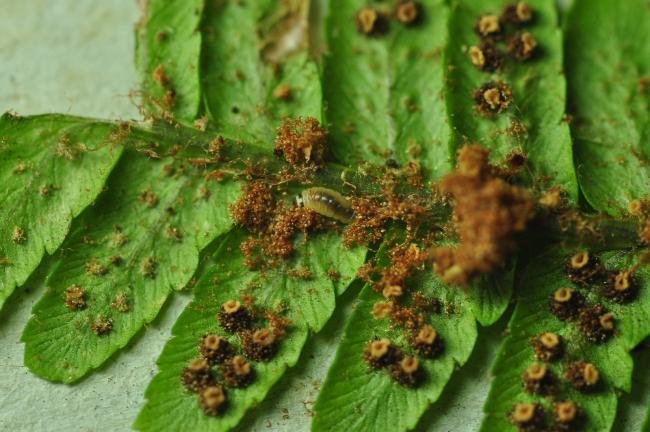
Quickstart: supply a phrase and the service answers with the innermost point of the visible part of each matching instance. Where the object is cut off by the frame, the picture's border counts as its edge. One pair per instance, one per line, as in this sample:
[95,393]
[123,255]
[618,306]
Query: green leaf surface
[243,64]
[354,397]
[633,407]
[223,276]
[153,209]
[532,316]
[608,69]
[384,94]
[168,36]
[51,168]
[538,95]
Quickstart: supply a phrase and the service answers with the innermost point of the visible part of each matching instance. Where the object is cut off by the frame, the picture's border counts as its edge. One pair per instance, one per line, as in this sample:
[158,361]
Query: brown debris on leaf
[301,141]
[254,208]
[488,214]
[278,240]
[371,216]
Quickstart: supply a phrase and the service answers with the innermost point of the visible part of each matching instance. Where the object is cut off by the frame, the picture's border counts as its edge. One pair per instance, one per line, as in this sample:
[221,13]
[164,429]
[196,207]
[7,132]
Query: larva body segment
[326,202]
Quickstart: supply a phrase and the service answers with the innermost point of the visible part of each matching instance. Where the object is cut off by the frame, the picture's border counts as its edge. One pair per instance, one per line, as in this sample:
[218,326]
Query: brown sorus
[392,291]
[234,317]
[566,302]
[213,400]
[644,233]
[254,208]
[381,353]
[117,260]
[522,46]
[100,324]
[301,141]
[407,372]
[566,416]
[237,372]
[527,417]
[491,98]
[75,297]
[583,376]
[283,92]
[638,207]
[486,56]
[148,268]
[371,22]
[427,342]
[553,198]
[215,349]
[620,287]
[408,12]
[547,346]
[159,76]
[120,303]
[538,379]
[596,323]
[515,161]
[18,235]
[488,26]
[260,345]
[519,13]
[93,267]
[197,375]
[584,269]
[148,198]
[169,99]
[382,309]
